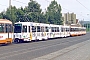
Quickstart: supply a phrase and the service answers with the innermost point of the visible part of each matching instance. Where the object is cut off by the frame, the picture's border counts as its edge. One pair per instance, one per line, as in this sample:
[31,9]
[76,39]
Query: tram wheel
[16,41]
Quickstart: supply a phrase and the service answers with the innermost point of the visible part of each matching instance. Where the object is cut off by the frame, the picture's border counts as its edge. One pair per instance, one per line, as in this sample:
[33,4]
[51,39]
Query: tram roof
[37,24]
[5,21]
[32,23]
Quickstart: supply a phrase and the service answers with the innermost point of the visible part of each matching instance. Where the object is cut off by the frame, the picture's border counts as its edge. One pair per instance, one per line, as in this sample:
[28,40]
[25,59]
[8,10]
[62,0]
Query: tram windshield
[17,28]
[1,27]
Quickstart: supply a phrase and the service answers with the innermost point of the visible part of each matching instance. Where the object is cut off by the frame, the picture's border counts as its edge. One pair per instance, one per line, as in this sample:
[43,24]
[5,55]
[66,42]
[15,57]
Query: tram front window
[17,28]
[1,27]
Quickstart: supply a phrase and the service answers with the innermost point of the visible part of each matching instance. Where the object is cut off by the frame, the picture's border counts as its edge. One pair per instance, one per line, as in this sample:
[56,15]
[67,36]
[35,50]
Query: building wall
[69,18]
[73,18]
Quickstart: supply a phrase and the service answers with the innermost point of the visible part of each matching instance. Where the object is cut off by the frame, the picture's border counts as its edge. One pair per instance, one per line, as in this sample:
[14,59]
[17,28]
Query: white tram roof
[78,27]
[38,24]
[75,27]
[65,26]
[5,21]
[32,24]
[53,25]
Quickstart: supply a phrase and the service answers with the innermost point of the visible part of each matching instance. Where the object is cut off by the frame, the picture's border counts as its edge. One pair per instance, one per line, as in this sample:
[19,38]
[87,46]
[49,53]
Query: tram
[28,31]
[6,31]
[77,31]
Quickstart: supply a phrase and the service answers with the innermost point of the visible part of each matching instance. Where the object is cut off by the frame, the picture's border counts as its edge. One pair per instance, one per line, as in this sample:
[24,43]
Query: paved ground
[80,51]
[32,50]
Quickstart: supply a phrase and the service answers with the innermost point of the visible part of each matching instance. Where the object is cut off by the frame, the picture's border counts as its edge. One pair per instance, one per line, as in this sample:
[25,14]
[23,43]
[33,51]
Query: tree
[10,14]
[2,15]
[20,15]
[33,11]
[53,14]
[42,18]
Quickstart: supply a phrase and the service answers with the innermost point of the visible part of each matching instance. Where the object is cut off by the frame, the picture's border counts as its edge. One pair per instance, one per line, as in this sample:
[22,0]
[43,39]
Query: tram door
[8,28]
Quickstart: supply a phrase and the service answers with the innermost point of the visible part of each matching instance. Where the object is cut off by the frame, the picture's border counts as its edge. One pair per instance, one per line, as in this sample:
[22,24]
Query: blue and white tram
[42,31]
[28,31]
[65,31]
[54,31]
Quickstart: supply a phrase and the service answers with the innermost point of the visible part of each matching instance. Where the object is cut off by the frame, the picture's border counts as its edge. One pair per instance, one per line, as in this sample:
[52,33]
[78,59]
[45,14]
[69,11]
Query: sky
[80,7]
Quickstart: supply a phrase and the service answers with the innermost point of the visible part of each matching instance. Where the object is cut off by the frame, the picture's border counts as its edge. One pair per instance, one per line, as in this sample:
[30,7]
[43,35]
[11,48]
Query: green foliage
[42,18]
[10,14]
[1,15]
[33,13]
[54,13]
[20,15]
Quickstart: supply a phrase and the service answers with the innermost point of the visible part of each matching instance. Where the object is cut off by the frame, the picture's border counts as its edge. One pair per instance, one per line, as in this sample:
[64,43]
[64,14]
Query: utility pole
[10,5]
[10,15]
[10,8]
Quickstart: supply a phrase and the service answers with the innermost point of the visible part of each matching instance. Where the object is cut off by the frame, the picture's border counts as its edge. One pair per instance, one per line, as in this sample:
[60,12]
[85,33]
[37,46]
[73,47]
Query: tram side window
[64,29]
[1,28]
[42,29]
[71,29]
[24,29]
[29,28]
[8,28]
[74,29]
[33,28]
[77,29]
[38,29]
[61,29]
[52,28]
[67,29]
[57,29]
[46,29]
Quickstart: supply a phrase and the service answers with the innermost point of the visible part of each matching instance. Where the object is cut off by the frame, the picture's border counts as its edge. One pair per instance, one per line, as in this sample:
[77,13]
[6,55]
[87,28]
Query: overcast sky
[80,7]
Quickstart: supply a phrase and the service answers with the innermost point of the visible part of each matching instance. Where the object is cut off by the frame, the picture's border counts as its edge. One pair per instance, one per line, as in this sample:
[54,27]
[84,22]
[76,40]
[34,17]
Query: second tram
[28,31]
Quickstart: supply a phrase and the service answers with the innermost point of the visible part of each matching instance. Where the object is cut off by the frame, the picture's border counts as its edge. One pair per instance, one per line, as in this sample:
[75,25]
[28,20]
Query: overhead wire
[82,5]
[67,9]
[20,2]
[3,5]
[26,18]
[62,7]
[49,1]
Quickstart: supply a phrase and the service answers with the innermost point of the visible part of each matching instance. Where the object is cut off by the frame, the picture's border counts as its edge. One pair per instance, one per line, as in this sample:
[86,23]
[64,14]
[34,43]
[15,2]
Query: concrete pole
[10,6]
